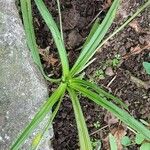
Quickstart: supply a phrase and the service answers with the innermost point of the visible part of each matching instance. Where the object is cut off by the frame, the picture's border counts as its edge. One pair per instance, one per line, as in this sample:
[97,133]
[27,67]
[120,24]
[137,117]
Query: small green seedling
[99,74]
[97,124]
[96,144]
[125,141]
[116,60]
[71,83]
[146,66]
[140,140]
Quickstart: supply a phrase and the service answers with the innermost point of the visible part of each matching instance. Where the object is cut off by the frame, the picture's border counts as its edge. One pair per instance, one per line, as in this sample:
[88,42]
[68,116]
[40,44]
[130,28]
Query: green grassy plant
[71,82]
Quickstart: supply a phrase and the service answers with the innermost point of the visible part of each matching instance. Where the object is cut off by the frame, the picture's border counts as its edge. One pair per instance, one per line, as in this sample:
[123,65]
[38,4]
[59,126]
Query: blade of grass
[39,116]
[56,35]
[36,142]
[85,143]
[27,20]
[100,91]
[121,114]
[89,63]
[93,30]
[90,48]
[30,35]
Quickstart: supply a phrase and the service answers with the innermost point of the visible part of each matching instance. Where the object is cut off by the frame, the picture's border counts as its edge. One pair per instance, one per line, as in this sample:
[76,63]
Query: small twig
[60,19]
[111,81]
[94,18]
[98,130]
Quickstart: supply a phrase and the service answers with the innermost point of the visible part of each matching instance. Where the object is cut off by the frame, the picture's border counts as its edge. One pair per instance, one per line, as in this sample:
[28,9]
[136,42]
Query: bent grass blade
[56,35]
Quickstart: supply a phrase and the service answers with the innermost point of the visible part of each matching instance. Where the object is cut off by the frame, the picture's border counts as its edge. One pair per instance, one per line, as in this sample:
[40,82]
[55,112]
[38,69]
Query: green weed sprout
[70,82]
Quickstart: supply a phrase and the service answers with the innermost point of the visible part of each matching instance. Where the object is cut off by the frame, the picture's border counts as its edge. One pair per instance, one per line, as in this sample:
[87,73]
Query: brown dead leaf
[136,50]
[136,26]
[110,119]
[119,132]
[107,4]
[48,58]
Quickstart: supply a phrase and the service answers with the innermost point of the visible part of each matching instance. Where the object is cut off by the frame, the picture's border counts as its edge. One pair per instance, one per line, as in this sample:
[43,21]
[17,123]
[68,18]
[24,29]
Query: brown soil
[120,79]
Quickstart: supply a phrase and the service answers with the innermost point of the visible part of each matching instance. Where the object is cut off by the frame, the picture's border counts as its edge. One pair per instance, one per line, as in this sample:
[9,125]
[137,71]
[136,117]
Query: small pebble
[128,45]
[109,71]
[122,51]
[141,40]
[46,28]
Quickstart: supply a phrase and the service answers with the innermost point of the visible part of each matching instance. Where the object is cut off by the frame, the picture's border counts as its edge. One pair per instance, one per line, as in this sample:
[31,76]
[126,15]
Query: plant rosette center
[67,80]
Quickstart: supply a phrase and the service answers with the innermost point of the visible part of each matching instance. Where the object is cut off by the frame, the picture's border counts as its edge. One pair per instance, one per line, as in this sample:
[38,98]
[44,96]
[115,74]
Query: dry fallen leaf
[107,4]
[48,58]
[119,132]
[136,26]
[136,50]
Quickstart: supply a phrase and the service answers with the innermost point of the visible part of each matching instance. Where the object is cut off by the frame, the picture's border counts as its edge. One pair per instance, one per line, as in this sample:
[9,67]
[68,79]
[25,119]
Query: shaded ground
[118,67]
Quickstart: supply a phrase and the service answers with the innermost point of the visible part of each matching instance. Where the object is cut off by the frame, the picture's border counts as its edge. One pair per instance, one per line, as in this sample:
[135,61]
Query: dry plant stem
[95,18]
[60,19]
[98,130]
[111,81]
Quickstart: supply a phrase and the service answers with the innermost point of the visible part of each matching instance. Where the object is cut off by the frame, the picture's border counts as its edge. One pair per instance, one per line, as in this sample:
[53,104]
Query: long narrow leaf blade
[93,30]
[39,117]
[38,138]
[30,35]
[121,114]
[85,143]
[27,20]
[90,49]
[100,91]
[56,35]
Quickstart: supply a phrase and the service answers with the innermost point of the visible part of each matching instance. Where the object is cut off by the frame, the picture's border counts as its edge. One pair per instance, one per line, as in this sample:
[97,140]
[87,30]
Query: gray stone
[22,87]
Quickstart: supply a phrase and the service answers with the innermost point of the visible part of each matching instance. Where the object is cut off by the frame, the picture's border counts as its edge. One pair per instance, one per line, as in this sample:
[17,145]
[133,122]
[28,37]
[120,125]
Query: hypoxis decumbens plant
[71,82]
